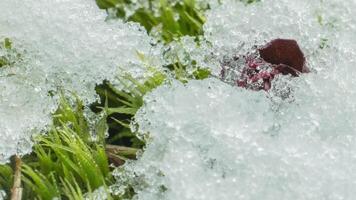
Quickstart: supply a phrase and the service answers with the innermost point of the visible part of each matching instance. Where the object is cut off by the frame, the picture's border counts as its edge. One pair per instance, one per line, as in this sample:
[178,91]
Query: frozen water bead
[63,44]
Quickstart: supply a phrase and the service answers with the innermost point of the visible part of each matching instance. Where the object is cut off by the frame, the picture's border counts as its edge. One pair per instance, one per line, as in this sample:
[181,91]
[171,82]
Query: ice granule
[63,45]
[210,140]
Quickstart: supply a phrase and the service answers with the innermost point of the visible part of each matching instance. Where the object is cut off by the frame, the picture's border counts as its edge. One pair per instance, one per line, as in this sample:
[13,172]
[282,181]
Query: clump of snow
[236,28]
[71,43]
[99,194]
[211,140]
[24,107]
[63,45]
[2,195]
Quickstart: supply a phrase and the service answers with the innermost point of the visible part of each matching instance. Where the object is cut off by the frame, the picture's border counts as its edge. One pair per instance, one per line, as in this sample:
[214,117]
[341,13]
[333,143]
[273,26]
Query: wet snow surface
[212,140]
[63,44]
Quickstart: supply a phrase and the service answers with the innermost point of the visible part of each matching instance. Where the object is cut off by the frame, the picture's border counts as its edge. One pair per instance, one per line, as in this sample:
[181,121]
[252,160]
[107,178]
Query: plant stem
[128,152]
[118,154]
[16,191]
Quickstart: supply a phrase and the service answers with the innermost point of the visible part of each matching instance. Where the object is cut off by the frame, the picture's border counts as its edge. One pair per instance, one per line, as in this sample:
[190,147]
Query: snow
[205,139]
[188,53]
[2,194]
[98,194]
[64,46]
[212,140]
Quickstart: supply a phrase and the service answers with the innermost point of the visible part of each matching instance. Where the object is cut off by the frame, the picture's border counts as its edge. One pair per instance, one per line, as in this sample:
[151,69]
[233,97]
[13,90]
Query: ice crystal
[212,140]
[63,45]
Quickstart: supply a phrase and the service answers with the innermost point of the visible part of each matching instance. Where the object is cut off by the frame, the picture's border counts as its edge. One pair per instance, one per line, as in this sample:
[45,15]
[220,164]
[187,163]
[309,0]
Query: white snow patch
[99,194]
[210,140]
[2,195]
[64,44]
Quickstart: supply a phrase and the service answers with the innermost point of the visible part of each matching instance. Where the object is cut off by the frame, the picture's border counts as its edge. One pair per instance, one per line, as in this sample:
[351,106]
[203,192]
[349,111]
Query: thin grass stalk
[16,191]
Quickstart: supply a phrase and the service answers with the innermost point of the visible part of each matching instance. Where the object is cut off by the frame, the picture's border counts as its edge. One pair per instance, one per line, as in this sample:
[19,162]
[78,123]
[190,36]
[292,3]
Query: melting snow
[64,44]
[211,140]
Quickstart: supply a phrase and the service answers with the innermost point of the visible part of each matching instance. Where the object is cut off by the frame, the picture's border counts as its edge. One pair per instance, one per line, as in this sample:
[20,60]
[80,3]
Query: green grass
[65,162]
[5,45]
[171,21]
[120,106]
[6,178]
[10,55]
[167,22]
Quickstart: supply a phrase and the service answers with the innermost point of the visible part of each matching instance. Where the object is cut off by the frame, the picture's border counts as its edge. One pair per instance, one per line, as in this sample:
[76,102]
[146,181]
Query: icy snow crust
[64,44]
[211,140]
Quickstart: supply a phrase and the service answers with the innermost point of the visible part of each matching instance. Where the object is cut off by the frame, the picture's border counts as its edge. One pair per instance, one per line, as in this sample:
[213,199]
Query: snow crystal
[62,45]
[212,140]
